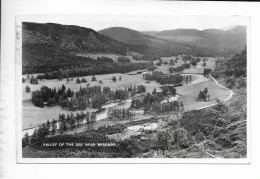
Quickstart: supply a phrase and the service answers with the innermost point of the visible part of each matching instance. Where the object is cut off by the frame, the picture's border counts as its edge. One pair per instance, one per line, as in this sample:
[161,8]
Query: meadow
[33,116]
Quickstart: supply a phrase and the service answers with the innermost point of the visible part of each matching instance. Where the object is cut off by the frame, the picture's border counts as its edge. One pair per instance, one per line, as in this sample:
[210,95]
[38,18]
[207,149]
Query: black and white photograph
[132,86]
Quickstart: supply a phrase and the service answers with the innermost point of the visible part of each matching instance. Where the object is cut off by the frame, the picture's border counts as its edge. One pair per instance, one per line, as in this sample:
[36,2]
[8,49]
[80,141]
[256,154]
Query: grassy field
[34,115]
[198,69]
[189,94]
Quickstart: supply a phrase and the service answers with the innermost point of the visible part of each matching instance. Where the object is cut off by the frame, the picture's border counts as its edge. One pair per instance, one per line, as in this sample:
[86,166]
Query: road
[228,98]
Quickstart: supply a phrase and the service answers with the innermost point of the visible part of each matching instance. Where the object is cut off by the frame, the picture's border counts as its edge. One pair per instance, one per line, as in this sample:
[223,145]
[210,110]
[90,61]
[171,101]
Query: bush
[83,80]
[114,79]
[78,81]
[94,78]
[27,89]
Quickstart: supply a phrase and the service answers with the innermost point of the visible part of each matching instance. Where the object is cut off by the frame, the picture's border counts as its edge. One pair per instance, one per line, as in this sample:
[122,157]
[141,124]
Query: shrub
[27,89]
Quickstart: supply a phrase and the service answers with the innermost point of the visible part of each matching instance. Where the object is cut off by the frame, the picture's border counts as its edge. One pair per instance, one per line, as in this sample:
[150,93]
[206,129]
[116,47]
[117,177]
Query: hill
[129,36]
[51,47]
[235,67]
[214,40]
[149,44]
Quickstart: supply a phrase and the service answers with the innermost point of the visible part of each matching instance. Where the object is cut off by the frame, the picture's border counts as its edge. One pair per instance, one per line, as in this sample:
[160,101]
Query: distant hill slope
[129,36]
[150,44]
[215,40]
[149,32]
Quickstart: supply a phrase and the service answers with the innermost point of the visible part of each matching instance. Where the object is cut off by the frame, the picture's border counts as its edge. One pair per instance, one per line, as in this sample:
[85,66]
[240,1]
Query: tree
[83,80]
[193,63]
[23,80]
[182,105]
[172,90]
[114,79]
[165,91]
[93,119]
[98,100]
[206,91]
[34,137]
[154,91]
[94,78]
[27,89]
[88,119]
[72,121]
[25,140]
[78,80]
[190,78]
[202,96]
[163,138]
[106,90]
[68,80]
[53,126]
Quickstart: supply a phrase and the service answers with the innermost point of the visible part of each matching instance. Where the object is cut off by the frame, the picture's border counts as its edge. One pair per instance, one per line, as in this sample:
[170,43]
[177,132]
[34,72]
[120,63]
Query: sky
[139,22]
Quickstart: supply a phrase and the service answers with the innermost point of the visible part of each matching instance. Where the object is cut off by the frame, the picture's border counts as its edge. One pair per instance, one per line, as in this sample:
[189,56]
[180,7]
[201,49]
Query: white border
[9,169]
[19,19]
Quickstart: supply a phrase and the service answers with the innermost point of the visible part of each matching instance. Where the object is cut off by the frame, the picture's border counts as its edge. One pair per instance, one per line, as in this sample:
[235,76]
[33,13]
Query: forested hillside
[49,47]
[235,67]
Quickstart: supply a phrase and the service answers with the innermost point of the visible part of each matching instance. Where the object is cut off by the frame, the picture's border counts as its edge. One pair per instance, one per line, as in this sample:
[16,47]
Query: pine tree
[93,119]
[25,140]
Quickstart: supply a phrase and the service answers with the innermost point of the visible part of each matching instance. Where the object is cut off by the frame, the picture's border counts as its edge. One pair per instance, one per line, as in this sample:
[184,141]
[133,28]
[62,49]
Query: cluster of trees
[85,97]
[145,57]
[166,90]
[172,62]
[61,125]
[203,95]
[236,66]
[160,62]
[235,82]
[233,69]
[50,96]
[194,61]
[83,80]
[85,66]
[147,100]
[151,68]
[179,68]
[163,79]
[188,78]
[159,108]
[120,114]
[123,59]
[34,80]
[152,102]
[206,71]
